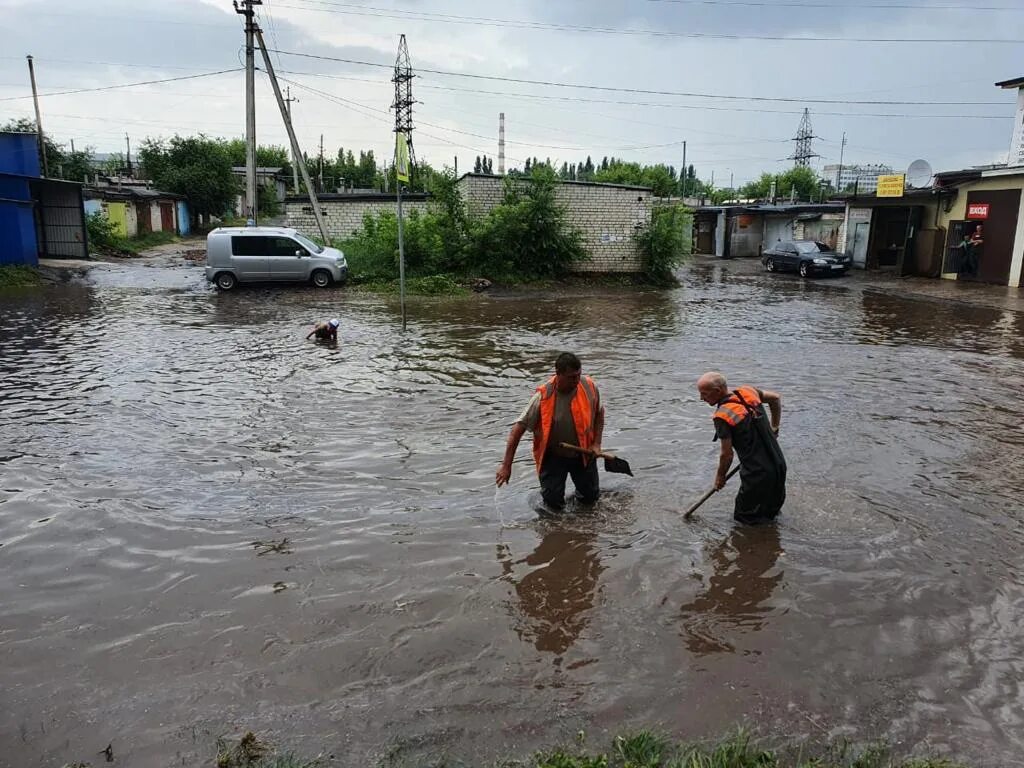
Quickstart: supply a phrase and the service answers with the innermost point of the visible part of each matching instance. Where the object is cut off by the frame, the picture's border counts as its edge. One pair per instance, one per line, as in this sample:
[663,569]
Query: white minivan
[264,254]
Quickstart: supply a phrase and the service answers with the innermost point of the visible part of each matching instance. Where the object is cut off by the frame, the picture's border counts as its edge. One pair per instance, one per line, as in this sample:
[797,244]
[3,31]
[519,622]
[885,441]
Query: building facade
[863,177]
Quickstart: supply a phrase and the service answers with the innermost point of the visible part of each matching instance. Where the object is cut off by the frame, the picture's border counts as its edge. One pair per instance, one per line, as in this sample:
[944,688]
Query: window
[807,247]
[283,246]
[310,245]
[249,245]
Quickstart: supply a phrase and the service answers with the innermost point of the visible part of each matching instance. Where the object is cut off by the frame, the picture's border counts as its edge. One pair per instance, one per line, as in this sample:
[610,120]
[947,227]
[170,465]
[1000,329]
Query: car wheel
[804,269]
[226,281]
[321,278]
[769,264]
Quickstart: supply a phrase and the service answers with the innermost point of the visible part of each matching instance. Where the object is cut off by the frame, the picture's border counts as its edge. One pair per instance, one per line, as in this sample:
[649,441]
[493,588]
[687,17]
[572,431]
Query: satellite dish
[919,174]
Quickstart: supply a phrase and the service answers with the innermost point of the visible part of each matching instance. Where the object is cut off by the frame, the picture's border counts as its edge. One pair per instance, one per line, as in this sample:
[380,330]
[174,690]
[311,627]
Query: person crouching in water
[567,409]
[741,425]
[326,331]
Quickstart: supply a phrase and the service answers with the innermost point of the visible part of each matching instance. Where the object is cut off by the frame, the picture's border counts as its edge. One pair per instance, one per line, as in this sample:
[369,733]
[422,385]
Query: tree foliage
[526,236]
[665,241]
[267,156]
[800,183]
[195,166]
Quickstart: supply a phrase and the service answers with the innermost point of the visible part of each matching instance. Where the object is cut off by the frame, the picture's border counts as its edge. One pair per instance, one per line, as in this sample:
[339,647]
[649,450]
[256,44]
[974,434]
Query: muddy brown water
[152,430]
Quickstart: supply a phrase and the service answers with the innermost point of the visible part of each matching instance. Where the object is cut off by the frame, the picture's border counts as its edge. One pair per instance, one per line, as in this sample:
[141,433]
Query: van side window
[284,246]
[249,245]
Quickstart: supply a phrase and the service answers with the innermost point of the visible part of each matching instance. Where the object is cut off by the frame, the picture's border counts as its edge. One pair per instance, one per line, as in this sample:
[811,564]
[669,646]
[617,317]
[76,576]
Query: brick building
[606,214]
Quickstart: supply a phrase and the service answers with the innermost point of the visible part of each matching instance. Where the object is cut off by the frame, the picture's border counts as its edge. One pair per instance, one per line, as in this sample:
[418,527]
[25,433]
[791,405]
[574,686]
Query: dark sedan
[808,257]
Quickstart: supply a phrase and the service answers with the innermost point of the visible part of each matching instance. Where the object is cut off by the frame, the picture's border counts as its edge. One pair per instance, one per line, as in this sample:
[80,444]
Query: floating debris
[277,547]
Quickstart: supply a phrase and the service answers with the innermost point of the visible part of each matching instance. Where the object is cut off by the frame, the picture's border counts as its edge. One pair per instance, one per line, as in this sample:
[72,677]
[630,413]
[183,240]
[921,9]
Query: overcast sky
[647,45]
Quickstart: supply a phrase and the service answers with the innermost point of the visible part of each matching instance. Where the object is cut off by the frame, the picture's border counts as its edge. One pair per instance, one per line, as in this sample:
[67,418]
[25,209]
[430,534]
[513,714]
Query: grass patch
[19,276]
[435,285]
[639,749]
[250,752]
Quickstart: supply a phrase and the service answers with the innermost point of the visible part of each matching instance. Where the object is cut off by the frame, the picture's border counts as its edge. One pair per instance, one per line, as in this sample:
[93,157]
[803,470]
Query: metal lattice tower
[803,153]
[403,98]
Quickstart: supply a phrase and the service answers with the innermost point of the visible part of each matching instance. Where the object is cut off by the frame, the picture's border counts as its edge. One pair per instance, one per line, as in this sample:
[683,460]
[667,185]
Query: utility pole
[296,152]
[321,172]
[295,160]
[72,146]
[128,156]
[39,119]
[456,166]
[686,173]
[839,175]
[404,154]
[251,214]
[501,144]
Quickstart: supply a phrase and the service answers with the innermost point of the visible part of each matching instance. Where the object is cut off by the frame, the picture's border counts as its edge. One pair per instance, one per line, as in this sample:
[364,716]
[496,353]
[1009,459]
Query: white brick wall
[607,216]
[343,217]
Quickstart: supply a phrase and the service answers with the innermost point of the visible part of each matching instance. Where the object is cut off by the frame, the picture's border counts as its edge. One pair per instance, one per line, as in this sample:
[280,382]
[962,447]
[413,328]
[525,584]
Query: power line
[446,18]
[834,6]
[652,92]
[124,85]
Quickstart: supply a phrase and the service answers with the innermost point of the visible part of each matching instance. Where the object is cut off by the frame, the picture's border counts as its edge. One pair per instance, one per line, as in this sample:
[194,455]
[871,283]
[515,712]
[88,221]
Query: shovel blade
[617,465]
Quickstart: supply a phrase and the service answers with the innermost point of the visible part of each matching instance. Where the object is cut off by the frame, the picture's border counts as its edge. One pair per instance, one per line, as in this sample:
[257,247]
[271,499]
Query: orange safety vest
[582,417]
[732,410]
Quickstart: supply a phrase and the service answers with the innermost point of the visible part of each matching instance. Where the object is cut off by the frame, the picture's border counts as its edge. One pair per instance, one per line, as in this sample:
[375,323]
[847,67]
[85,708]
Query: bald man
[742,426]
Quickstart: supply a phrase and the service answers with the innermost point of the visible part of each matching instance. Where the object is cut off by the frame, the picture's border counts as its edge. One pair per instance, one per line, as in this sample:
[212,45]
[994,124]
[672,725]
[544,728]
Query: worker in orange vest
[567,409]
[741,426]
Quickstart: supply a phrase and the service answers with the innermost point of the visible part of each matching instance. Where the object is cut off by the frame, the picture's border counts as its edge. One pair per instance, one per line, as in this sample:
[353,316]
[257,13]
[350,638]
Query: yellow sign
[402,157]
[890,186]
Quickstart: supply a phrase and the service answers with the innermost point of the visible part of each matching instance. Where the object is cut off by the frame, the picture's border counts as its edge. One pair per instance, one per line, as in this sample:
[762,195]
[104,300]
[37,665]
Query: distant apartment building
[865,176]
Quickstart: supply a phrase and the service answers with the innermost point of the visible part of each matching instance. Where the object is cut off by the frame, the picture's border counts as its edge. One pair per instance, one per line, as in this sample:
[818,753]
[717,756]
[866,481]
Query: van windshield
[309,244]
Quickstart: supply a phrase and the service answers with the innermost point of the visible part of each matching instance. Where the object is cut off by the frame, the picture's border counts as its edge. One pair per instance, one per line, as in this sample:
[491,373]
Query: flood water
[152,430]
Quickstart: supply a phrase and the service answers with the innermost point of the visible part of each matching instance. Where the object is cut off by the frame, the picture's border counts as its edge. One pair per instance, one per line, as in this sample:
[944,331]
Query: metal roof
[1016,82]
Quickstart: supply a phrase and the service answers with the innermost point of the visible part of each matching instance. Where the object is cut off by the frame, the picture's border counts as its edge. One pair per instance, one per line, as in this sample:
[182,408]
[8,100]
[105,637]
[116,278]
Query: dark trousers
[760,499]
[553,471]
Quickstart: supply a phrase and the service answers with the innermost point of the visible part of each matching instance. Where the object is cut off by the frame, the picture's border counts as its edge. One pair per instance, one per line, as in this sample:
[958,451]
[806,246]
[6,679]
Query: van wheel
[804,269]
[769,265]
[321,278]
[225,281]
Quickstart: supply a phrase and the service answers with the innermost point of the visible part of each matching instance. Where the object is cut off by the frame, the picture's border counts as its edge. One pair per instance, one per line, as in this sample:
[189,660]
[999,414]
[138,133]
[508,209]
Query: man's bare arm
[774,401]
[724,462]
[505,470]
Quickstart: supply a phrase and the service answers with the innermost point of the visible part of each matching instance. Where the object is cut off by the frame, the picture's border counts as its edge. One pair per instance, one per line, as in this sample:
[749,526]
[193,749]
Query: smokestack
[501,144]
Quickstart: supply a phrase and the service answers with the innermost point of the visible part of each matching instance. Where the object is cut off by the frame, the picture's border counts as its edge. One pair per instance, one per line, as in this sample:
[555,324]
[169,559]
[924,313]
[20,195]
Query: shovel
[612,463]
[708,495]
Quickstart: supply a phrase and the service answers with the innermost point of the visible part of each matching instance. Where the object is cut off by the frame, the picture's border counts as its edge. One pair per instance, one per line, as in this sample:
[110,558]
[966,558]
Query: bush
[526,236]
[266,201]
[100,231]
[665,242]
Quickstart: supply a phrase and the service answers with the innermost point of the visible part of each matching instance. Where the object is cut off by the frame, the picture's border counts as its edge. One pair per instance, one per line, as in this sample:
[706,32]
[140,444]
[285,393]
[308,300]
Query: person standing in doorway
[977,241]
[567,409]
[741,427]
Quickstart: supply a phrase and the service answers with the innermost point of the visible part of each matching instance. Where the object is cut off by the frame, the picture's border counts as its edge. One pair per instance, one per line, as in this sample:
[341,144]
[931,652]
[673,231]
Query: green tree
[665,242]
[195,166]
[77,165]
[801,181]
[527,234]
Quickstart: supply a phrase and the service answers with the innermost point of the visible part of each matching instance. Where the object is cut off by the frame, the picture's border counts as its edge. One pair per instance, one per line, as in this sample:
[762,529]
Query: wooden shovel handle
[588,451]
[708,495]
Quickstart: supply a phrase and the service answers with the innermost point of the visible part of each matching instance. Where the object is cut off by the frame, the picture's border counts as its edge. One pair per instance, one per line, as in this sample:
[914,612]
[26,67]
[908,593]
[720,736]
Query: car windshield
[811,247]
[309,244]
